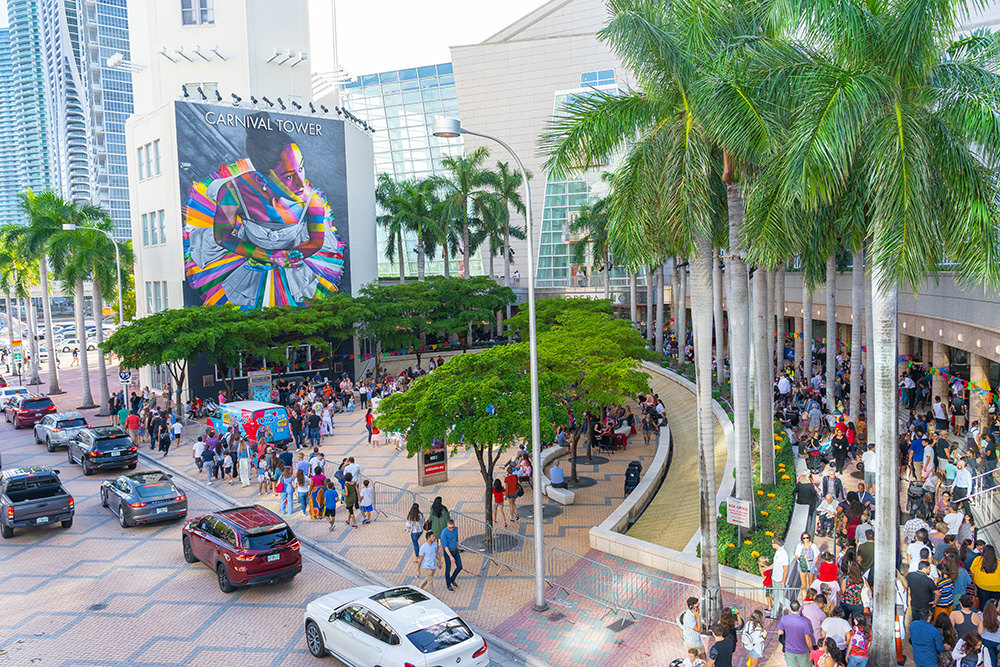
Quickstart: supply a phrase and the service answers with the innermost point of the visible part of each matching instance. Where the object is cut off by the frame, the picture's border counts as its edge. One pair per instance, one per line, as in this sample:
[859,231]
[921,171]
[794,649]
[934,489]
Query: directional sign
[18,354]
[125,377]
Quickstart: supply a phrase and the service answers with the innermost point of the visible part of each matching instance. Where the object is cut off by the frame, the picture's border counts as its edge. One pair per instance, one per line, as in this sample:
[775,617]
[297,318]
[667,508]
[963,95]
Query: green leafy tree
[412,206]
[399,316]
[594,359]
[549,312]
[507,187]
[476,401]
[593,222]
[469,302]
[387,193]
[467,181]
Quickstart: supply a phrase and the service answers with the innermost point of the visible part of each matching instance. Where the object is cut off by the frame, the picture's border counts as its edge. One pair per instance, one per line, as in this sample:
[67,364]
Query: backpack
[749,638]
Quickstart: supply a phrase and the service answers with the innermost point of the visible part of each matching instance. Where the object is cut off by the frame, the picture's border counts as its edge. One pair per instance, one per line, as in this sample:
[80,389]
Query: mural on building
[265,206]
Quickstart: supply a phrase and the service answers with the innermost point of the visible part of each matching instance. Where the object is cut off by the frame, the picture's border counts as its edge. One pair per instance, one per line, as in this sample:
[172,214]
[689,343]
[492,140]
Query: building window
[153,238]
[149,298]
[166,303]
[157,306]
[163,226]
[156,157]
[145,230]
[149,160]
[208,87]
[197,12]
[142,164]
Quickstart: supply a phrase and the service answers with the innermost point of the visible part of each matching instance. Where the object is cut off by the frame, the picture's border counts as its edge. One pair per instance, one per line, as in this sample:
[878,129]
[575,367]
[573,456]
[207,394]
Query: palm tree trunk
[807,330]
[831,332]
[675,292]
[739,345]
[466,251]
[43,277]
[658,333]
[420,256]
[869,356]
[650,285]
[702,321]
[33,334]
[884,302]
[10,329]
[506,256]
[752,365]
[102,371]
[81,335]
[682,311]
[607,273]
[447,260]
[492,277]
[720,328]
[857,306]
[779,311]
[632,295]
[764,412]
[771,345]
[400,258]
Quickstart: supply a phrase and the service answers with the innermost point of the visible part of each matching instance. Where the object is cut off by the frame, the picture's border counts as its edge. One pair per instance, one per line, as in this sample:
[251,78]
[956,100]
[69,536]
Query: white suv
[371,626]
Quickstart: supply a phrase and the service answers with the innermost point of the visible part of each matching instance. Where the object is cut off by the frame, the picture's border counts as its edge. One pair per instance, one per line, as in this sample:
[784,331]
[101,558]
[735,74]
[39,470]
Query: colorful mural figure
[258,233]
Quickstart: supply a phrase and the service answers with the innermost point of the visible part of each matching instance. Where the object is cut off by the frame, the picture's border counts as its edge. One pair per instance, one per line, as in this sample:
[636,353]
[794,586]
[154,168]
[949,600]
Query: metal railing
[642,594]
[745,599]
[577,576]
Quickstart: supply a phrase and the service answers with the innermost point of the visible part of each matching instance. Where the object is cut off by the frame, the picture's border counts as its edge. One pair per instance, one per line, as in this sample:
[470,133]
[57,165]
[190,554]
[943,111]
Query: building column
[902,345]
[939,386]
[799,343]
[979,371]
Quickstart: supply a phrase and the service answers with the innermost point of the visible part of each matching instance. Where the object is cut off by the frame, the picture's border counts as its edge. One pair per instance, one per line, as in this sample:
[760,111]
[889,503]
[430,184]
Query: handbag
[520,490]
[280,487]
[427,525]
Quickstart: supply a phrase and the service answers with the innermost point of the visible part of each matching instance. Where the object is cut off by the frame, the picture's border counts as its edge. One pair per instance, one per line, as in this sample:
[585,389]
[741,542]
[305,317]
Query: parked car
[8,393]
[101,447]
[245,546]
[371,625]
[144,497]
[70,343]
[58,429]
[33,496]
[3,382]
[28,409]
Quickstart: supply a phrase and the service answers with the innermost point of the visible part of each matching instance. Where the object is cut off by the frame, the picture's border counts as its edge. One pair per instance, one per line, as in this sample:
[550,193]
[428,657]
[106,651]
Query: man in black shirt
[721,653]
[155,426]
[295,424]
[314,421]
[921,588]
[941,450]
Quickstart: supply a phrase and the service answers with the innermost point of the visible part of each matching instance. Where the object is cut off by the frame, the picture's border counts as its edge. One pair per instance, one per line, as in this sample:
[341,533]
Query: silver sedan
[58,429]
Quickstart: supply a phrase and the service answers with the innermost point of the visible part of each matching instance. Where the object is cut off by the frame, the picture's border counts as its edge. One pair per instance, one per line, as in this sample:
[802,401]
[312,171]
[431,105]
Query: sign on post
[738,512]
[125,377]
[17,350]
[260,385]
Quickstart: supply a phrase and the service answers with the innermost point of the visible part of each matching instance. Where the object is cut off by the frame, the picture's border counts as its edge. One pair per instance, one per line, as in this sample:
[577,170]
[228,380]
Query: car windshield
[36,404]
[113,443]
[161,488]
[268,540]
[440,635]
[397,598]
[77,422]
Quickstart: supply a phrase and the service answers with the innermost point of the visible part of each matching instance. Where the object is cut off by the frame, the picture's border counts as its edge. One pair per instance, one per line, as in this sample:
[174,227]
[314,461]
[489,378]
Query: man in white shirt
[779,574]
[963,483]
[197,451]
[868,460]
[954,519]
[353,468]
[784,387]
[940,415]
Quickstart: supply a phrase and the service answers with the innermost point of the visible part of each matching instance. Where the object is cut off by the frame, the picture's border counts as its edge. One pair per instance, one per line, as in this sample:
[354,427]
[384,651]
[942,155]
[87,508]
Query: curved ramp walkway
[672,518]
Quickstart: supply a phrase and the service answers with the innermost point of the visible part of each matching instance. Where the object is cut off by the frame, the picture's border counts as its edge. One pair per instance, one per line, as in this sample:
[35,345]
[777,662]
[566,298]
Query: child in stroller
[816,456]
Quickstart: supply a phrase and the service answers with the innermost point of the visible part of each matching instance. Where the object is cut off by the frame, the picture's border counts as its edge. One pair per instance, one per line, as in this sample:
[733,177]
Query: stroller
[632,474]
[914,500]
[816,460]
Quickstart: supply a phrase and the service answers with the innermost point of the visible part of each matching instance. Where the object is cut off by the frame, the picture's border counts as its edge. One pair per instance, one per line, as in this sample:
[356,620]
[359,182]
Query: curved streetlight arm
[118,263]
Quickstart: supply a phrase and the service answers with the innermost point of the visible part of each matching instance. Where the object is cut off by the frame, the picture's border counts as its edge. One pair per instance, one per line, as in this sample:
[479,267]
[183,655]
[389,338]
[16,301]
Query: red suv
[28,409]
[246,546]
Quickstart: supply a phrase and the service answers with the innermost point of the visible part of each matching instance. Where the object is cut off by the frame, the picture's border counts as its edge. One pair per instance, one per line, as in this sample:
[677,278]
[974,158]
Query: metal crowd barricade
[582,577]
[647,595]
[512,551]
[746,599]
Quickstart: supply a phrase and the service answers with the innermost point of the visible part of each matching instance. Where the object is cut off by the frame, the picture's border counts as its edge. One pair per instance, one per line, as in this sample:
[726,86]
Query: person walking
[498,502]
[449,546]
[439,517]
[427,561]
[690,620]
[208,458]
[753,637]
[415,527]
[243,463]
[806,553]
[926,639]
[302,490]
[76,357]
[286,486]
[327,420]
[368,424]
[330,499]
[510,486]
[350,499]
[797,631]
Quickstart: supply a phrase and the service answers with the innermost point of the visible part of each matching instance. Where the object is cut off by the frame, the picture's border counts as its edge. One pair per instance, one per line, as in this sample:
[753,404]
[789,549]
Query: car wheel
[104,498]
[86,468]
[17,427]
[131,466]
[122,519]
[188,553]
[225,585]
[69,455]
[34,434]
[314,640]
[6,531]
[48,445]
[68,523]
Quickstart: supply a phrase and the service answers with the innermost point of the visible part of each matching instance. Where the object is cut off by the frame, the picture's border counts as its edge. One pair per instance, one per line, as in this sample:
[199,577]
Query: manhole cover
[549,511]
[97,607]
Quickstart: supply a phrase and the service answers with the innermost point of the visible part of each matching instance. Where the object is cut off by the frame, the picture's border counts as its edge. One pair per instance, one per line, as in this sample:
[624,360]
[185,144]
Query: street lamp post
[69,227]
[452,128]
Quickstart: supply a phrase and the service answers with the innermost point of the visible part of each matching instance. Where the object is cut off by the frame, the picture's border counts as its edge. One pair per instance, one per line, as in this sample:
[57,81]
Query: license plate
[273,557]
[161,510]
[117,452]
[42,519]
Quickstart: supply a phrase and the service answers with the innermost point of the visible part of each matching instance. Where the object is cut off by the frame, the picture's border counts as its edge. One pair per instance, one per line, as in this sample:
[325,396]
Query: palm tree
[593,221]
[386,194]
[467,180]
[507,186]
[42,211]
[72,262]
[887,99]
[14,279]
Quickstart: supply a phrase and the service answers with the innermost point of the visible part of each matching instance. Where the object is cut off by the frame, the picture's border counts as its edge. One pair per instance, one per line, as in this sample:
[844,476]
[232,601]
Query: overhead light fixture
[289,54]
[179,50]
[269,102]
[302,56]
[184,89]
[215,50]
[162,50]
[276,54]
[296,105]
[202,93]
[312,109]
[197,49]
[282,104]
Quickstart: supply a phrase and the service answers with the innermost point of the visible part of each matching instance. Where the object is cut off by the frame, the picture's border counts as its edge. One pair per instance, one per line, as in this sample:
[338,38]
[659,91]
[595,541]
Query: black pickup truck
[33,496]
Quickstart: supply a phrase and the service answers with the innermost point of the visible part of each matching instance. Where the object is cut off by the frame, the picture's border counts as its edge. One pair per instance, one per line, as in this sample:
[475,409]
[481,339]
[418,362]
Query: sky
[380,35]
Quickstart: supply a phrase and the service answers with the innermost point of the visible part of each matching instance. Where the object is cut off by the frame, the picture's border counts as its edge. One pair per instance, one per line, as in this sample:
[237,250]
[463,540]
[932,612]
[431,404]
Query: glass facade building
[401,105]
[8,138]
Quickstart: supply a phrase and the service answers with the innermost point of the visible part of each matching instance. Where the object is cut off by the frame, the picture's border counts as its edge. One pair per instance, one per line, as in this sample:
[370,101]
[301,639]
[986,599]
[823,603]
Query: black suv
[103,447]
